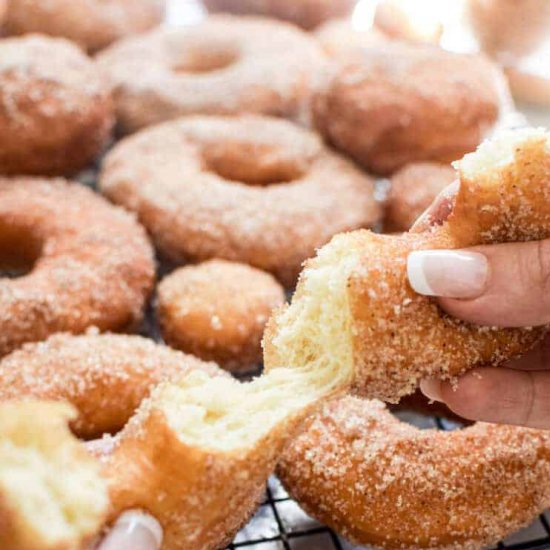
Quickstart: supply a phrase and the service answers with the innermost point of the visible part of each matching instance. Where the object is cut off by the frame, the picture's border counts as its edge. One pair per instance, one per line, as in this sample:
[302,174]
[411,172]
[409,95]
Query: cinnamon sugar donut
[225,65]
[252,189]
[304,13]
[355,312]
[52,496]
[93,24]
[90,263]
[218,311]
[105,377]
[381,482]
[413,189]
[56,111]
[402,103]
[340,38]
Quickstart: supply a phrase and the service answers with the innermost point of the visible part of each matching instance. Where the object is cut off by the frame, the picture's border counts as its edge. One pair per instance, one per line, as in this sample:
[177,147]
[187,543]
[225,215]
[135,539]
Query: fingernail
[448,273]
[431,388]
[134,530]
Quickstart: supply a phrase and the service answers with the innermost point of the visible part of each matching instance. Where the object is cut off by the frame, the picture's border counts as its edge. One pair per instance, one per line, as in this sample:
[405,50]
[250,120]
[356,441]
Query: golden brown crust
[56,110]
[304,13]
[218,311]
[210,187]
[412,190]
[91,24]
[93,264]
[405,103]
[225,65]
[340,38]
[381,482]
[201,497]
[105,377]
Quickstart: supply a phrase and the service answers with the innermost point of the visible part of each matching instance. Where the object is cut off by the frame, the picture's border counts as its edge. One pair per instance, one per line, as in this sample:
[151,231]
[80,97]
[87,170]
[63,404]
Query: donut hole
[205,60]
[19,250]
[252,164]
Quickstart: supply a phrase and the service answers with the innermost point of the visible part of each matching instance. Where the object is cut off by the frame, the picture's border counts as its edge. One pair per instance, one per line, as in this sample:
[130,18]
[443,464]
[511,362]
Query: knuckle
[542,266]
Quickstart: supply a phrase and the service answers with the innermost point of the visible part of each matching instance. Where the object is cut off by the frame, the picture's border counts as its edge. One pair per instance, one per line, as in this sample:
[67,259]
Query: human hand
[134,529]
[505,285]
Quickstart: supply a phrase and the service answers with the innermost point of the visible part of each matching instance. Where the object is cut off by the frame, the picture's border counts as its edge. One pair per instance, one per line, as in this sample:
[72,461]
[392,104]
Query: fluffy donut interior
[46,475]
[316,361]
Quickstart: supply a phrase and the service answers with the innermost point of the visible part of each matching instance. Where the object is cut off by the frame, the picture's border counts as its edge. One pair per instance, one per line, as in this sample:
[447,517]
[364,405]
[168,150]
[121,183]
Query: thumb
[133,530]
[505,285]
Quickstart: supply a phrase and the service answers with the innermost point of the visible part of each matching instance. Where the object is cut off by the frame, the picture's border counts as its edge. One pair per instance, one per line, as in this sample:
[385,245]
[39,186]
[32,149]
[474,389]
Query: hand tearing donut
[354,311]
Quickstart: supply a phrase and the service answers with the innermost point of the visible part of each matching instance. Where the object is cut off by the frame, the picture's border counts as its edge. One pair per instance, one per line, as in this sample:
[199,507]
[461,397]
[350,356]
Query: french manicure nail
[431,388]
[448,273]
[134,530]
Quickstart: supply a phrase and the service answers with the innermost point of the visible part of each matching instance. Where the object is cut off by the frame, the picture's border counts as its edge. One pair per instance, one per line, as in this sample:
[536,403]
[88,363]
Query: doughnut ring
[381,482]
[355,313]
[256,190]
[307,14]
[105,377]
[218,311]
[56,110]
[90,263]
[225,66]
[413,188]
[401,103]
[52,493]
[93,25]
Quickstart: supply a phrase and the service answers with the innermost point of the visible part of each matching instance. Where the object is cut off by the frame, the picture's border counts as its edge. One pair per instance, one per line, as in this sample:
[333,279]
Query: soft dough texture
[400,103]
[258,190]
[56,111]
[218,311]
[90,262]
[412,191]
[305,13]
[355,311]
[224,65]
[105,377]
[93,24]
[381,482]
[52,496]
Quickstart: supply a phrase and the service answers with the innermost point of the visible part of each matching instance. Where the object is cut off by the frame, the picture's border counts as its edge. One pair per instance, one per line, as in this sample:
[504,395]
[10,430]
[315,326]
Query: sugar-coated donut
[529,86]
[56,110]
[304,13]
[401,103]
[252,189]
[413,188]
[105,377]
[91,263]
[382,482]
[52,494]
[225,65]
[355,312]
[507,29]
[218,311]
[92,24]
[340,38]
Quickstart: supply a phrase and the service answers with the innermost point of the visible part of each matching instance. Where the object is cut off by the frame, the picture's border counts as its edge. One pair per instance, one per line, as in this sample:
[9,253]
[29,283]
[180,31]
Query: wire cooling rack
[280,523]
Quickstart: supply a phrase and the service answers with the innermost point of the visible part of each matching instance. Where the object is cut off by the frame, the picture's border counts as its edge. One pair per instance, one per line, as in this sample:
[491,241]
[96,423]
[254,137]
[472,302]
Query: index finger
[439,210]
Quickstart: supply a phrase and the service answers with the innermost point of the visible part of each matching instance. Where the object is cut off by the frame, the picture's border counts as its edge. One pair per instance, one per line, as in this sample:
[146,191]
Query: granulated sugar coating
[92,264]
[253,189]
[56,111]
[91,24]
[381,482]
[223,66]
[104,376]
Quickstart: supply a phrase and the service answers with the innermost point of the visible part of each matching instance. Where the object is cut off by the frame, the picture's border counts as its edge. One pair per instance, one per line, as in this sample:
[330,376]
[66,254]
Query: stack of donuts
[212,168]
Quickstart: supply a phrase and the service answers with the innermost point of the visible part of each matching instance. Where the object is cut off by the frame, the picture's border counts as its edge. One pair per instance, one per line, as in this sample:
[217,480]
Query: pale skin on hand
[134,529]
[506,285]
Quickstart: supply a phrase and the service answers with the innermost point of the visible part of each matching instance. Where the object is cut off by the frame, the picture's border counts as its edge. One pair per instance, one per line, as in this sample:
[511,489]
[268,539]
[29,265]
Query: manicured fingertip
[134,530]
[431,388]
